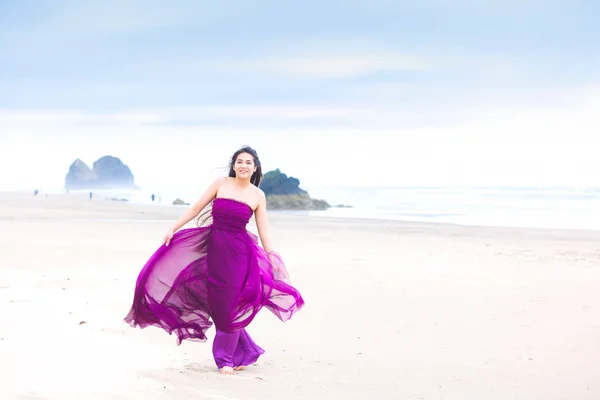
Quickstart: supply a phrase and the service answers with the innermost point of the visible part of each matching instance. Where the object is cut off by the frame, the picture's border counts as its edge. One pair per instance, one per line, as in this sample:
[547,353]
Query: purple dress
[217,273]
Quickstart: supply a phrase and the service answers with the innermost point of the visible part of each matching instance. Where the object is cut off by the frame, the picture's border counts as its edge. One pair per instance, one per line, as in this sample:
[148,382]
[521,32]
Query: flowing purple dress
[219,273]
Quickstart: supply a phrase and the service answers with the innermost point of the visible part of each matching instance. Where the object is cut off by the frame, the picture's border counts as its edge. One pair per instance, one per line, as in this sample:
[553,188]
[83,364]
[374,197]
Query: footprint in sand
[195,367]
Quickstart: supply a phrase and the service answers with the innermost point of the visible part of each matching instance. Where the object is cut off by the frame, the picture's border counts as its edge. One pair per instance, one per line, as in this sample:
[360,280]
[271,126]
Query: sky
[335,93]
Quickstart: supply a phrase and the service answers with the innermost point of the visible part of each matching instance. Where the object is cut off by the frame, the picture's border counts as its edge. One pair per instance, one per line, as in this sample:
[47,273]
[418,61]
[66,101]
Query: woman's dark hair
[257,175]
[205,217]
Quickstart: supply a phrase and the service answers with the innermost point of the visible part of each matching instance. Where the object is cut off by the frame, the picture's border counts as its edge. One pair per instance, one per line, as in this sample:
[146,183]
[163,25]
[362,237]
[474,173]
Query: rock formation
[277,183]
[295,202]
[284,193]
[108,172]
[179,202]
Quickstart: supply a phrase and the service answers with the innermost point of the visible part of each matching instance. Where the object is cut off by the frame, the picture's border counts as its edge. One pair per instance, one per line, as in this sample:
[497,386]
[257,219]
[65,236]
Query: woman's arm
[262,223]
[199,205]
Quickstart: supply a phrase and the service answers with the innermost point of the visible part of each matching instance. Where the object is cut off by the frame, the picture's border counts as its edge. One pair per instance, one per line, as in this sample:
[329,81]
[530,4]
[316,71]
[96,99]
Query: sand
[393,310]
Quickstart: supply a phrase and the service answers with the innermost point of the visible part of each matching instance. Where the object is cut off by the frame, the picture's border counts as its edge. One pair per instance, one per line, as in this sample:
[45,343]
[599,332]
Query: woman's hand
[280,273]
[273,262]
[167,238]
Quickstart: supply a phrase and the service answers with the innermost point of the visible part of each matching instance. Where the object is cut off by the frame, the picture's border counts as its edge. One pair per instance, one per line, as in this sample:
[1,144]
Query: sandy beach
[393,310]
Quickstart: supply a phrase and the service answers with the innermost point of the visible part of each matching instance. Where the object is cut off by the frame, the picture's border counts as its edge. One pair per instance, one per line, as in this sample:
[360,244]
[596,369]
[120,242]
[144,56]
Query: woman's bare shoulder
[223,181]
[220,183]
[259,195]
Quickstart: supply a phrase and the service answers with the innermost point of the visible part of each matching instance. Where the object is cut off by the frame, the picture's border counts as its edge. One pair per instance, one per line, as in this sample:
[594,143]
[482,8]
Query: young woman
[218,273]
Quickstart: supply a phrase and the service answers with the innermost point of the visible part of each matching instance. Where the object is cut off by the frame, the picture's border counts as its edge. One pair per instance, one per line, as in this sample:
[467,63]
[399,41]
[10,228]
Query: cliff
[106,173]
[295,202]
[277,183]
[284,193]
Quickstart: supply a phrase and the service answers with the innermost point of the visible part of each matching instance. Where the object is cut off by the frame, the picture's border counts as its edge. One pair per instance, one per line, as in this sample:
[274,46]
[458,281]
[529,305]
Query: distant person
[91,195]
[152,197]
[35,192]
[218,271]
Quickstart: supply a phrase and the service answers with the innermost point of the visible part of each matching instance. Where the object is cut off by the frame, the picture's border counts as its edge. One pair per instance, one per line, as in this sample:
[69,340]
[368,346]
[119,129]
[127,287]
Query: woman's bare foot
[239,368]
[227,371]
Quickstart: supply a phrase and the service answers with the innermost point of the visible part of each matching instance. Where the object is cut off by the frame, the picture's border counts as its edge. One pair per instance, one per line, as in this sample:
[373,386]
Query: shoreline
[72,204]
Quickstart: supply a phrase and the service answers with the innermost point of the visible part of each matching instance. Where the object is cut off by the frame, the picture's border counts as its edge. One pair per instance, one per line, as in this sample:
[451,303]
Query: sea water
[537,207]
[544,207]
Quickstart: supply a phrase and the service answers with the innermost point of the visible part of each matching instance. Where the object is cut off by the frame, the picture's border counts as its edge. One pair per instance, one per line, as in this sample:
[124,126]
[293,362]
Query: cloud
[323,66]
[329,60]
[19,118]
[543,144]
[75,20]
[241,117]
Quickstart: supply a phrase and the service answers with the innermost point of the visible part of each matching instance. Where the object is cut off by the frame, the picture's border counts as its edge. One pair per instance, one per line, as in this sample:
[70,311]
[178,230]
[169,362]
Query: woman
[218,272]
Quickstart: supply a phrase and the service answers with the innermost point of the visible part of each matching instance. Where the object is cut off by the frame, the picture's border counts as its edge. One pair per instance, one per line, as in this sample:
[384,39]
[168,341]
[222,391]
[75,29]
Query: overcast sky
[376,92]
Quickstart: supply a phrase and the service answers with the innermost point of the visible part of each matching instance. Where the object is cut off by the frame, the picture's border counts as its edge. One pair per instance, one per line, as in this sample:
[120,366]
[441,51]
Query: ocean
[543,207]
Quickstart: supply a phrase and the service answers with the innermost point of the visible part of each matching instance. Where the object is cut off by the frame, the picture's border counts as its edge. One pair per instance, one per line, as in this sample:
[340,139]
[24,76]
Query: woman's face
[244,165]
